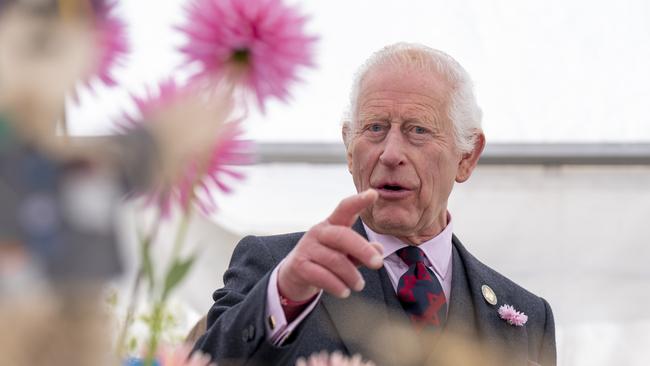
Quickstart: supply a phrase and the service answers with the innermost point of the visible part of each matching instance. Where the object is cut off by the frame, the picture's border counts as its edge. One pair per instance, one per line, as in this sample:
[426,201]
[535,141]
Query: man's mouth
[392,187]
[392,190]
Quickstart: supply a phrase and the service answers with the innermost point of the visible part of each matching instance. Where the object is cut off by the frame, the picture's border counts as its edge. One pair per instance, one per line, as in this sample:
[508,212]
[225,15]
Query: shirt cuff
[277,328]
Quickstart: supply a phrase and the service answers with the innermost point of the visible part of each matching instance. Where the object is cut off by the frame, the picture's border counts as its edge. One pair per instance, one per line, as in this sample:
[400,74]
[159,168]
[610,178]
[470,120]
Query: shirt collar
[437,249]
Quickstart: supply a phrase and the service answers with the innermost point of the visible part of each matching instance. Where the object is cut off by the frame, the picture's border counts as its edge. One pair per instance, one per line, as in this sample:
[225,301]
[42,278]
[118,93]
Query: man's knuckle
[313,231]
[293,262]
[336,235]
[366,251]
[333,259]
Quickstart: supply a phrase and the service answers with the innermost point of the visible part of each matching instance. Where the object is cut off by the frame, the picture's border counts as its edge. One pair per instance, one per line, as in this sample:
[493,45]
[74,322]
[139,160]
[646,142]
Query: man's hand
[328,254]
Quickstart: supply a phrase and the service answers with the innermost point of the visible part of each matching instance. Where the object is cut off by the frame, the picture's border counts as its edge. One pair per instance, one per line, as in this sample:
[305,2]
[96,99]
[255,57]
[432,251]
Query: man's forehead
[397,78]
[413,91]
[380,108]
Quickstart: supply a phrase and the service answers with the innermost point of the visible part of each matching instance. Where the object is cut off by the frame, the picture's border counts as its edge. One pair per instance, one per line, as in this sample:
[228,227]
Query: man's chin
[388,224]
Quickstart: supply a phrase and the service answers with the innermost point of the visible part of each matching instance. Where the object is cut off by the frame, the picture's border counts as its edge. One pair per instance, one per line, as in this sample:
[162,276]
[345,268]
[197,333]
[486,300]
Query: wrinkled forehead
[419,76]
[421,83]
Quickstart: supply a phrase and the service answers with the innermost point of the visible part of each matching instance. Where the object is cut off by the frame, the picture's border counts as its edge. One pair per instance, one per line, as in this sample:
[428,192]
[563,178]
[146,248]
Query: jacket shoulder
[277,245]
[509,291]
[540,327]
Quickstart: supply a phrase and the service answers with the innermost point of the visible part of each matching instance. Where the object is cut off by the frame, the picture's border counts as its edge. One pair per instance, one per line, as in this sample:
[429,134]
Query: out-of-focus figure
[59,191]
[56,214]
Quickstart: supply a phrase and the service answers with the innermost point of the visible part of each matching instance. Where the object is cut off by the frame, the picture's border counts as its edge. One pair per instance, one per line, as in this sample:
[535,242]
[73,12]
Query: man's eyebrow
[364,116]
[422,113]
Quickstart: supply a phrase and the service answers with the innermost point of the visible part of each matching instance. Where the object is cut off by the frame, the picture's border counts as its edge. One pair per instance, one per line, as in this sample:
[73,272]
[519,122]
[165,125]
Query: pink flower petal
[228,150]
[267,33]
[512,316]
[112,43]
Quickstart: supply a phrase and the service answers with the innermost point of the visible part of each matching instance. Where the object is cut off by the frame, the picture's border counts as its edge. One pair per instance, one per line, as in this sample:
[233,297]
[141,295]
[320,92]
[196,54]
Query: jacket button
[248,333]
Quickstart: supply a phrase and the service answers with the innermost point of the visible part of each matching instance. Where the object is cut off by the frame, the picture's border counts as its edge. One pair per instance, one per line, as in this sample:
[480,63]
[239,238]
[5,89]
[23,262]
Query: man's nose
[393,153]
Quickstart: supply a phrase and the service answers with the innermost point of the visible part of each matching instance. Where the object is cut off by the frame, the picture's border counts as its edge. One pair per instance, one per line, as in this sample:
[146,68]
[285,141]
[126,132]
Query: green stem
[156,330]
[156,321]
[135,289]
[181,233]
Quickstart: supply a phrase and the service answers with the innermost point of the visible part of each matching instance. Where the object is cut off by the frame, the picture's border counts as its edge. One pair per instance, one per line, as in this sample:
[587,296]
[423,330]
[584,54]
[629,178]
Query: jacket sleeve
[548,355]
[235,327]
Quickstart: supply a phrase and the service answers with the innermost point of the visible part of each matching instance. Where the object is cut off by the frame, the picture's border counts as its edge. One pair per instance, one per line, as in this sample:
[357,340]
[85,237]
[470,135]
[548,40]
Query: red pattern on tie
[420,292]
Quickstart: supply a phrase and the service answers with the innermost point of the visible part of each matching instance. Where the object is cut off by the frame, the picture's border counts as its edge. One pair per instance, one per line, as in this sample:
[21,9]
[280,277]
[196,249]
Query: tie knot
[411,255]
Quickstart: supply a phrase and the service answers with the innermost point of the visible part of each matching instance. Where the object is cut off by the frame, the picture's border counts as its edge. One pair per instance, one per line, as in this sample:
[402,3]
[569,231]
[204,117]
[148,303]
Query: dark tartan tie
[420,292]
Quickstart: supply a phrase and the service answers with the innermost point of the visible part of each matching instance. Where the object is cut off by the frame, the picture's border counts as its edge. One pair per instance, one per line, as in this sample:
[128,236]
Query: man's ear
[469,160]
[346,135]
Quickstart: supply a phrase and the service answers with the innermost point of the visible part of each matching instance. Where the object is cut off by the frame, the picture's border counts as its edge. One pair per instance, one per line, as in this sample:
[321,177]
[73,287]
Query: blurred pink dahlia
[258,43]
[229,149]
[334,359]
[197,179]
[153,101]
[111,38]
[183,356]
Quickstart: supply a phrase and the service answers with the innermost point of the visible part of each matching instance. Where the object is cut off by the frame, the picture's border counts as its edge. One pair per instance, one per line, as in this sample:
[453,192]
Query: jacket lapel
[461,319]
[359,317]
[473,317]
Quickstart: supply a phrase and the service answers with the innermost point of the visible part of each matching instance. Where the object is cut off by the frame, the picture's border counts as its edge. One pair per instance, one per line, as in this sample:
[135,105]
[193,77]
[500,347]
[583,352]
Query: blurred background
[560,202]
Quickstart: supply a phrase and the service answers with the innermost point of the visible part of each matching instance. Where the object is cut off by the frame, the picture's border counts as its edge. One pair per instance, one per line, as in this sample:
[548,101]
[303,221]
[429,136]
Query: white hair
[463,110]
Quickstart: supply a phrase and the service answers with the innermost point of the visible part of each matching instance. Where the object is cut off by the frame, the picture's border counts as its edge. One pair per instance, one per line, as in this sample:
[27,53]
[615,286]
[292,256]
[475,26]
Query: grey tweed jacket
[371,322]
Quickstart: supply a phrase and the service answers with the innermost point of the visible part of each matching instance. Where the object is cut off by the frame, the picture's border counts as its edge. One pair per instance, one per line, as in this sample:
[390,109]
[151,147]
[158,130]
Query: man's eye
[419,130]
[375,127]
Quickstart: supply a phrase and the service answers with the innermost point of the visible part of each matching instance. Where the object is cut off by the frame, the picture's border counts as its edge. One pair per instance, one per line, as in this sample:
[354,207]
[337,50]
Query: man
[413,130]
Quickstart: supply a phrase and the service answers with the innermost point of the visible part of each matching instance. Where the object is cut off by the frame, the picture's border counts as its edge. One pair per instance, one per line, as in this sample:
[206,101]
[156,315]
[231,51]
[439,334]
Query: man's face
[402,144]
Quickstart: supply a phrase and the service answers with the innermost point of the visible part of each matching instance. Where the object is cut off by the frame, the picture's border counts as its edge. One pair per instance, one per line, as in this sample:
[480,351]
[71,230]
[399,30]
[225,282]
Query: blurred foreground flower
[111,40]
[179,356]
[195,134]
[334,359]
[258,43]
[196,143]
[239,46]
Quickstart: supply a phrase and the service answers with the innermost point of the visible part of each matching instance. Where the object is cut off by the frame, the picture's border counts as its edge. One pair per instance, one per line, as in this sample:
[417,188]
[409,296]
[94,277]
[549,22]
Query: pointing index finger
[347,211]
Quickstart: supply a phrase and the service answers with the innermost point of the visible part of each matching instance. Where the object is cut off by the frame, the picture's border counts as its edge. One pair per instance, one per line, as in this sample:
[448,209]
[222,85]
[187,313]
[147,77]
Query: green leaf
[133,344]
[111,298]
[176,273]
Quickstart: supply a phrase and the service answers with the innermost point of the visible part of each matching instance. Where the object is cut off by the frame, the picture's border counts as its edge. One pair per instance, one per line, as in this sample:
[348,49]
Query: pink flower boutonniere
[512,316]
